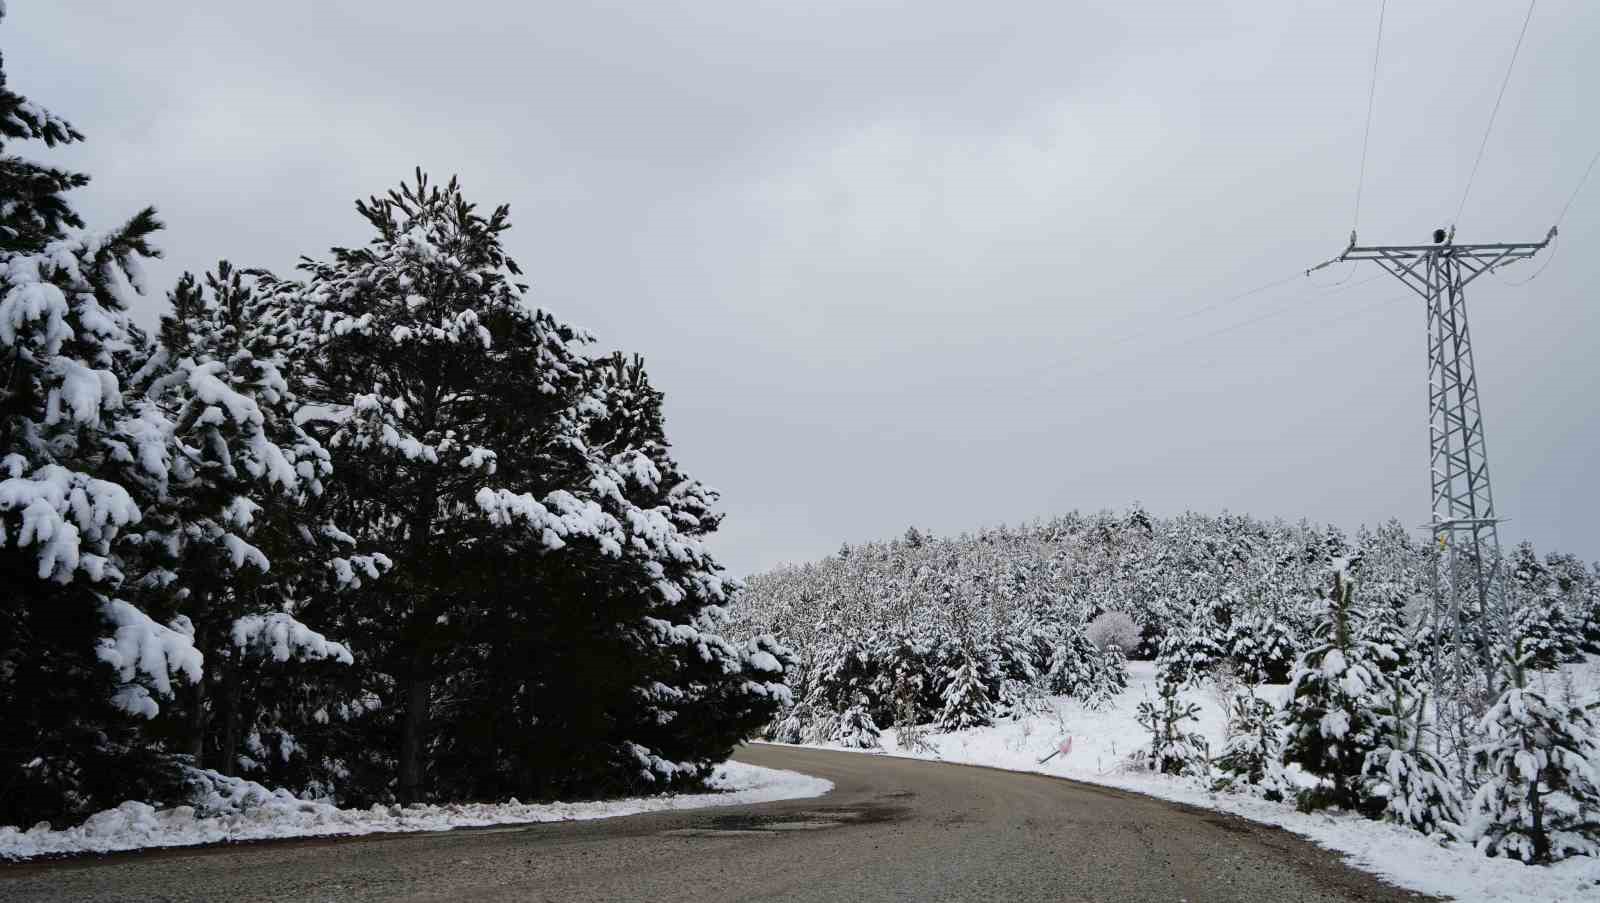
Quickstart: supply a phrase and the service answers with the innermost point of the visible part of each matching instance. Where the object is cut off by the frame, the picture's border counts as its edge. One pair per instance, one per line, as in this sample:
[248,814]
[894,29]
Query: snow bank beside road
[1102,741]
[248,811]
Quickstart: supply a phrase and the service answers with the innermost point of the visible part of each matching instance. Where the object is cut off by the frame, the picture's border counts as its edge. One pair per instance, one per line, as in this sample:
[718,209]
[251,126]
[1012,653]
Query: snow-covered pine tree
[548,577]
[1113,677]
[1189,652]
[792,724]
[1073,660]
[966,699]
[80,665]
[1262,647]
[1539,768]
[716,693]
[425,368]
[1174,748]
[229,541]
[855,728]
[1083,670]
[1540,613]
[1577,585]
[1381,620]
[1250,756]
[1328,713]
[904,690]
[1406,782]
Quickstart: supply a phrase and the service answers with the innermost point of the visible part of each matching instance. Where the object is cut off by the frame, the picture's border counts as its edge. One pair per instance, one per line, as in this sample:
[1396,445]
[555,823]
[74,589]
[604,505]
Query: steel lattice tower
[1464,523]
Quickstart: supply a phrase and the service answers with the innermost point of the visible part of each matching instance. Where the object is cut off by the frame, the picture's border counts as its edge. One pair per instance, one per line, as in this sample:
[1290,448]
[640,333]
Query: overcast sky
[950,264]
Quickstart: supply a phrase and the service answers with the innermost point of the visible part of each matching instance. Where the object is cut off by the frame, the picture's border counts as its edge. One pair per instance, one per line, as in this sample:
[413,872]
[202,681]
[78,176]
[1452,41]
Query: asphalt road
[892,829]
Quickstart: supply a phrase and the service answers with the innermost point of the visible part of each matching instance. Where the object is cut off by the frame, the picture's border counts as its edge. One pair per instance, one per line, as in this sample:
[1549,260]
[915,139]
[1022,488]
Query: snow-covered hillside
[1101,742]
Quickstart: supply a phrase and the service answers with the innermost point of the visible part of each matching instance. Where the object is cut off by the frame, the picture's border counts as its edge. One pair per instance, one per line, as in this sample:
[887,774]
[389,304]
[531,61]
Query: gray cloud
[926,263]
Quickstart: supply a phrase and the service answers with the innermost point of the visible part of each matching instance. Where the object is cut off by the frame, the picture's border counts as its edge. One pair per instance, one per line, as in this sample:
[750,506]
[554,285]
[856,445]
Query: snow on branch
[652,765]
[347,571]
[572,517]
[60,508]
[281,637]
[143,649]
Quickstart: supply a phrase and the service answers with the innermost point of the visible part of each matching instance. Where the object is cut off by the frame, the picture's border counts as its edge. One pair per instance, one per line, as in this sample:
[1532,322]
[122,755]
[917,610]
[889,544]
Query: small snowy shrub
[1173,748]
[1540,767]
[912,737]
[1114,628]
[792,724]
[855,729]
[1413,785]
[1251,754]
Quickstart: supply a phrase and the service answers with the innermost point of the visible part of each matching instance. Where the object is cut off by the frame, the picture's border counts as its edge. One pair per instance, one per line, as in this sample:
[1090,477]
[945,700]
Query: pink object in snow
[1066,746]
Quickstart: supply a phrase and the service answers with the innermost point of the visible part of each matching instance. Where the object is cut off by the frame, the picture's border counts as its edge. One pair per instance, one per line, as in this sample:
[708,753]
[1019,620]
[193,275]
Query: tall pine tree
[550,625]
[79,666]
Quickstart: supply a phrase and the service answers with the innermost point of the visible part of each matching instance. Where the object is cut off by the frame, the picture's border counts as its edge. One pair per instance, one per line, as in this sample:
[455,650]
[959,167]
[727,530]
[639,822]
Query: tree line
[1484,740]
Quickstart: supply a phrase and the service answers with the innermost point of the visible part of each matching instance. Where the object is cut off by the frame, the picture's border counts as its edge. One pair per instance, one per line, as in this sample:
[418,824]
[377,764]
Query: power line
[1555,237]
[1492,113]
[1574,196]
[1289,306]
[1340,286]
[1199,311]
[1372,92]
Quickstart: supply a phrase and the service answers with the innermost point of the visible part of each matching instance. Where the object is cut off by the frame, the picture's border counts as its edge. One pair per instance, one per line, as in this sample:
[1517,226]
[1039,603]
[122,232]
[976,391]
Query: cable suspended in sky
[1555,237]
[1492,113]
[1366,135]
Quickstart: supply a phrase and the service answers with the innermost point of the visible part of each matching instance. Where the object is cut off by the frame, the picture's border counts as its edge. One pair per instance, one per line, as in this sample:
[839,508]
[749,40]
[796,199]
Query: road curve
[892,829]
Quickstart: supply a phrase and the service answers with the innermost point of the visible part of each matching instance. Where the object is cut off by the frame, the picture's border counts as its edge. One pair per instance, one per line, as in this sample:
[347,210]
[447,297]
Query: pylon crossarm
[1406,274]
[1477,267]
[1369,252]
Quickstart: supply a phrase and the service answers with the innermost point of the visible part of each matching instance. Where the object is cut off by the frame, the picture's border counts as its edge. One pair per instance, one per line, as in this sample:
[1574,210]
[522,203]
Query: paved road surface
[892,829]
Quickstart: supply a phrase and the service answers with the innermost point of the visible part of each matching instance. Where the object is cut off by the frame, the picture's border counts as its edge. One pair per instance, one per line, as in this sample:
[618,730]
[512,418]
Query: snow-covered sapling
[1329,711]
[1539,800]
[1174,748]
[1250,755]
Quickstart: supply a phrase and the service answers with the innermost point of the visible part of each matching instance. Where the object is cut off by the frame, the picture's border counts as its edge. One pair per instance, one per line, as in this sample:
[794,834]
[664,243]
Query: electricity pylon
[1464,525]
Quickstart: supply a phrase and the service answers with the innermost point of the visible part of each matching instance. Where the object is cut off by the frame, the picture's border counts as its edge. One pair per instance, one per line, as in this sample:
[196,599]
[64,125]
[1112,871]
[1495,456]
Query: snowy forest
[380,531]
[931,634]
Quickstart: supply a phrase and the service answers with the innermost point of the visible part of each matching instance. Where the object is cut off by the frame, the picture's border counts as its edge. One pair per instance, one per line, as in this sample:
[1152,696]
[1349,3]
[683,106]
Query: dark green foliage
[549,628]
[1406,782]
[65,748]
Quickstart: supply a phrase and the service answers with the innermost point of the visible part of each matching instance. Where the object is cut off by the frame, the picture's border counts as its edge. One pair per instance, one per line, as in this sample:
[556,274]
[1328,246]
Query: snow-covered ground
[247,811]
[1102,741]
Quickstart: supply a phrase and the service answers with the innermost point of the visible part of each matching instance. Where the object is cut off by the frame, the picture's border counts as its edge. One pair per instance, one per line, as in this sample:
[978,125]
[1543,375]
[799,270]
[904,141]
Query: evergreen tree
[1381,622]
[1414,786]
[1189,653]
[1250,756]
[1083,670]
[229,541]
[855,729]
[79,666]
[1539,765]
[1174,749]
[966,699]
[1330,720]
[550,626]
[1263,648]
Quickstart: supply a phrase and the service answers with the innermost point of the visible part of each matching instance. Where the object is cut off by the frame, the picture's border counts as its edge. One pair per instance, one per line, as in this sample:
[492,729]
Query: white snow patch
[235,809]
